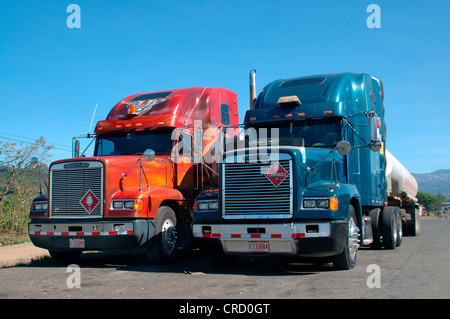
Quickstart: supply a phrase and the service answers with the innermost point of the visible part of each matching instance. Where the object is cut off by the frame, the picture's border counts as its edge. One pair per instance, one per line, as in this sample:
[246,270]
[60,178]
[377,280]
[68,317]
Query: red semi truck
[138,188]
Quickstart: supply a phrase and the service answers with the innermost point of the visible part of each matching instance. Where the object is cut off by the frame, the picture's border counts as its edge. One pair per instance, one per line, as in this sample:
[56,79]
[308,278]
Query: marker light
[289,101]
[132,109]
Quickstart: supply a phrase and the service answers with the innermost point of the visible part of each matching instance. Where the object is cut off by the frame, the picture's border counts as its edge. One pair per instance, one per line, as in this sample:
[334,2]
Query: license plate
[76,243]
[258,246]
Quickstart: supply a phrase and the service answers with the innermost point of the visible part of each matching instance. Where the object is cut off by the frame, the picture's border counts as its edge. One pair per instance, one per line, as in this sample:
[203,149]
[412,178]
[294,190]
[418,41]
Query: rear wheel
[399,228]
[390,226]
[375,215]
[347,259]
[163,246]
[414,225]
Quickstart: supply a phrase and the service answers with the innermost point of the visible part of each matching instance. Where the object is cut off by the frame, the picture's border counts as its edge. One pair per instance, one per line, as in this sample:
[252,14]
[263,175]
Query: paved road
[418,269]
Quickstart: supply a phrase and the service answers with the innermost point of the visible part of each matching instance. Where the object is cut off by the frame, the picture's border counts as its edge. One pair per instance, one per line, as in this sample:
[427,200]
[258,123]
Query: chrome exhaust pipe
[252,80]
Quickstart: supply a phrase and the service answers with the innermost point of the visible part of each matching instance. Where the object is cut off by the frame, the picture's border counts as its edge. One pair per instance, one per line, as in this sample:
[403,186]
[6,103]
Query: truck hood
[125,171]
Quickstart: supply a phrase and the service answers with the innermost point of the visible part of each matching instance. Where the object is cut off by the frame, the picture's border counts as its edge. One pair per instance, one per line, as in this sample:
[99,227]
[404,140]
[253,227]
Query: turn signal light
[138,203]
[334,203]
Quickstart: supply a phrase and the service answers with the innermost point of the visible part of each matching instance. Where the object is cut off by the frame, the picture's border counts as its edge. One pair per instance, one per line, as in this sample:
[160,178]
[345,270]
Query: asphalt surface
[417,269]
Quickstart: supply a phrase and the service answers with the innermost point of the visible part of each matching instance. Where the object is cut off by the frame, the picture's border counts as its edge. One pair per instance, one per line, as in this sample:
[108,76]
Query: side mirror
[149,155]
[343,147]
[374,132]
[76,152]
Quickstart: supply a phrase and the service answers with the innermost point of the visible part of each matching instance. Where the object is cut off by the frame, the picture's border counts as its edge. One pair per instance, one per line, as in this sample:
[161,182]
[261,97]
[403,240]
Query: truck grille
[247,192]
[69,183]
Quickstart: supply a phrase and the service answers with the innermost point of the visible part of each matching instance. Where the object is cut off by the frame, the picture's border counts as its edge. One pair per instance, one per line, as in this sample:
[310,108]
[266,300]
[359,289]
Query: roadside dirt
[12,255]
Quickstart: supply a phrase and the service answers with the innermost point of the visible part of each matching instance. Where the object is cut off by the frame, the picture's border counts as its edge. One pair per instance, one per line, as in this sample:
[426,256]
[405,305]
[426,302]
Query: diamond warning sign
[276,174]
[89,201]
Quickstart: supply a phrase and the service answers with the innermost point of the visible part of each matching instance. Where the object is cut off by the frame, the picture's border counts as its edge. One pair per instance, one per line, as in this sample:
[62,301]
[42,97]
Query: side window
[105,147]
[225,114]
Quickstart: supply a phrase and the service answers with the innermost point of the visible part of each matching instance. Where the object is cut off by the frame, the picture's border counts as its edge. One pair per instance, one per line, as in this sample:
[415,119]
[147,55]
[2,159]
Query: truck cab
[306,177]
[137,190]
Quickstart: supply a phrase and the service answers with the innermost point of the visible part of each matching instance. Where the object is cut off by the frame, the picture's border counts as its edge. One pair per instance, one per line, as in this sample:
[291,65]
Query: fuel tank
[400,181]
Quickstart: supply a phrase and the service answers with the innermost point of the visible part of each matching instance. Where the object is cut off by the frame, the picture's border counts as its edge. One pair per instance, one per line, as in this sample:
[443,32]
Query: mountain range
[432,183]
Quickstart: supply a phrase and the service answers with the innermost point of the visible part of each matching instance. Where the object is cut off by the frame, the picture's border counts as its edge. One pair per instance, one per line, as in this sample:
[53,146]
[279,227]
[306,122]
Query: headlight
[213,205]
[202,205]
[117,204]
[40,205]
[127,204]
[321,203]
[208,205]
[309,203]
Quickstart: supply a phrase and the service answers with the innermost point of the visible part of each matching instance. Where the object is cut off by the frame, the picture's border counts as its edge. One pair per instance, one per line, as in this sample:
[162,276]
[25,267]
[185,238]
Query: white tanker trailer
[402,189]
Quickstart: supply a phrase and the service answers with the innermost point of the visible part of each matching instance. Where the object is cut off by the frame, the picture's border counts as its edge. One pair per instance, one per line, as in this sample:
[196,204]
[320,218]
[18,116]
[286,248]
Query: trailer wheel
[414,225]
[163,246]
[65,256]
[390,226]
[399,228]
[347,259]
[375,215]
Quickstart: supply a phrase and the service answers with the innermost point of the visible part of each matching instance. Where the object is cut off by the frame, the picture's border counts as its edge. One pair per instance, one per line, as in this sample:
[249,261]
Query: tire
[414,226]
[163,246]
[347,259]
[375,215]
[65,256]
[399,228]
[390,227]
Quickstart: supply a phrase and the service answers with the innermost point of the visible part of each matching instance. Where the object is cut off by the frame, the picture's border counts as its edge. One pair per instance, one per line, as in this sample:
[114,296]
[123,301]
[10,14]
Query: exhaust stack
[252,80]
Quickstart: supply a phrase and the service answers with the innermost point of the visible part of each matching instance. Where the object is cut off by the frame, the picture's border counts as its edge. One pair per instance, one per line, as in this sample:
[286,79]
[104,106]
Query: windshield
[131,143]
[308,133]
[320,164]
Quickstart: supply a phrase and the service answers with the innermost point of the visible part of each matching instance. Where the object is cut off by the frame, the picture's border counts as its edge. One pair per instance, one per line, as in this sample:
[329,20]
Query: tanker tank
[399,180]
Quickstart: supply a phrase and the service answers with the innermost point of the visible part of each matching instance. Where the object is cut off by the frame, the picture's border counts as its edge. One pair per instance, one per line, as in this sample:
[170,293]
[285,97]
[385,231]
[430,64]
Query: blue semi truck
[309,176]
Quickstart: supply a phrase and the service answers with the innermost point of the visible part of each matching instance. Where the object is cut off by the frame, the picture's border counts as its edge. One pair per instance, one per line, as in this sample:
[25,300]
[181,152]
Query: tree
[17,157]
[439,200]
[427,200]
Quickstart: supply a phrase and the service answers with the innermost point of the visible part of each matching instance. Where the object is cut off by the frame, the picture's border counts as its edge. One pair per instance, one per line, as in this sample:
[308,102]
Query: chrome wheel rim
[353,238]
[169,236]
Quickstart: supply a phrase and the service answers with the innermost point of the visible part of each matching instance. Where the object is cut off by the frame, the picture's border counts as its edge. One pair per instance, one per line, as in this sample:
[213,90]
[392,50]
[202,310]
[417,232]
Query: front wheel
[163,246]
[347,259]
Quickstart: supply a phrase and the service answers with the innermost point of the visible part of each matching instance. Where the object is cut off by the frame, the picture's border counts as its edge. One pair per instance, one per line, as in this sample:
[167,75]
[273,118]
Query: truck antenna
[95,110]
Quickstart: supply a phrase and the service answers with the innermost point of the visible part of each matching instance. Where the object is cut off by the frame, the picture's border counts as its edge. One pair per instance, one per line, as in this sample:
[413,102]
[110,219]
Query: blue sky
[127,47]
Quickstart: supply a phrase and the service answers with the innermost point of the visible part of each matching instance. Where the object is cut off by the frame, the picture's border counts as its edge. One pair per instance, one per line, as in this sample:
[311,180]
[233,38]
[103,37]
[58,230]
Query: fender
[159,194]
[348,194]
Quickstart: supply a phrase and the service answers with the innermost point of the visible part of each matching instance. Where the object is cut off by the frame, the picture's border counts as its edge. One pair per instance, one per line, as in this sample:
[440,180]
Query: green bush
[14,213]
